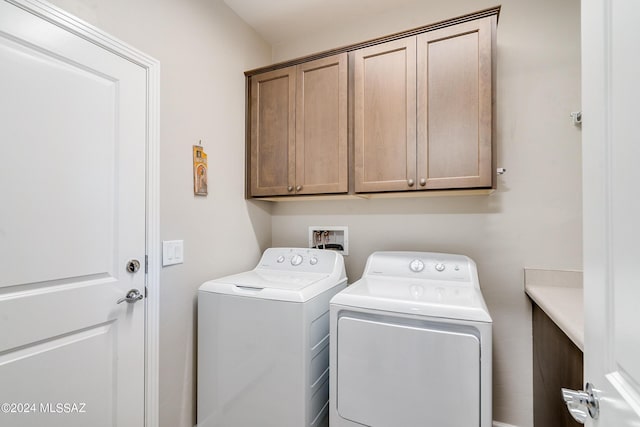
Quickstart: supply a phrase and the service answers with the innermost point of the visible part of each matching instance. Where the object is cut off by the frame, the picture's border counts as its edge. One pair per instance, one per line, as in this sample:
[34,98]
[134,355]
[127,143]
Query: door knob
[299,187]
[410,182]
[290,188]
[423,182]
[582,403]
[132,296]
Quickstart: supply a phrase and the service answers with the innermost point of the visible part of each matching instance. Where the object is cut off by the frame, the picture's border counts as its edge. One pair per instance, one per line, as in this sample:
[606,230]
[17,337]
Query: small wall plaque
[199,171]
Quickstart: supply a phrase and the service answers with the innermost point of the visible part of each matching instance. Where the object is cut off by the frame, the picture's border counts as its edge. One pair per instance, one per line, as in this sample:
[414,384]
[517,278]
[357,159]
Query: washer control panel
[299,259]
[422,265]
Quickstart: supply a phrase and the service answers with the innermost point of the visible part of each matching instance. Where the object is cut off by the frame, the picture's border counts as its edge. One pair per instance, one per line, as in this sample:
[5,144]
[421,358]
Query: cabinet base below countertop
[557,363]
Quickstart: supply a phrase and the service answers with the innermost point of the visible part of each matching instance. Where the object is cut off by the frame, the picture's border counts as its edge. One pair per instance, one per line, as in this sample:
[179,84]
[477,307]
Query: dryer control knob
[416,266]
[440,266]
[296,260]
[313,261]
[280,259]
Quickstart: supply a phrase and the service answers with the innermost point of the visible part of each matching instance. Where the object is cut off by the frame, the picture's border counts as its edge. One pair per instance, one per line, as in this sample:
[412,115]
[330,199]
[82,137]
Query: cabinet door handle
[410,182]
[299,187]
[290,188]
[423,182]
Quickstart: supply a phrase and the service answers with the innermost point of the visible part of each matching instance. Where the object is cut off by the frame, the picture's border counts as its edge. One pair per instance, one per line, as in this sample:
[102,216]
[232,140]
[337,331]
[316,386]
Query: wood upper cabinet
[385,116]
[321,126]
[272,168]
[299,129]
[454,98]
[406,112]
[423,110]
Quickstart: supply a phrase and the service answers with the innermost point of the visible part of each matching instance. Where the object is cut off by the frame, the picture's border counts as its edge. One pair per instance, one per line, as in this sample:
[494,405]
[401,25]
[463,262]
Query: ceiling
[279,20]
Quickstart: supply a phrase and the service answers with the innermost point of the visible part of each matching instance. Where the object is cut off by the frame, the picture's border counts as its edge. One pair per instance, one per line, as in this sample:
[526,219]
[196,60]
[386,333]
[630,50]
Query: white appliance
[411,345]
[263,341]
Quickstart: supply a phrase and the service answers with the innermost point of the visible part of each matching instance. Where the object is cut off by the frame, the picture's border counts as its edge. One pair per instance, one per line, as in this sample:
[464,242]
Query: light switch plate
[172,252]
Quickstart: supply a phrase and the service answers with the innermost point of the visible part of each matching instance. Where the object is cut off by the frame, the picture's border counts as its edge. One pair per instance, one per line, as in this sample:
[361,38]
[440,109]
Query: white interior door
[72,213]
[611,139]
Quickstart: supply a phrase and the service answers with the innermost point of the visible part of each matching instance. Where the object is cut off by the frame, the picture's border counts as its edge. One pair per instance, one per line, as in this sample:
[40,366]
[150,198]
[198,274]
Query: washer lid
[425,298]
[274,285]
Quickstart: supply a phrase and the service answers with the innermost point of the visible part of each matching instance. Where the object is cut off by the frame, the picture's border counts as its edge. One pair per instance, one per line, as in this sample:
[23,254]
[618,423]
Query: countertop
[560,295]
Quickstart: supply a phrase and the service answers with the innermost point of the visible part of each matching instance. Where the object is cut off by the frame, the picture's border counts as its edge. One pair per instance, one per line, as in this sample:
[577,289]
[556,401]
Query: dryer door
[391,373]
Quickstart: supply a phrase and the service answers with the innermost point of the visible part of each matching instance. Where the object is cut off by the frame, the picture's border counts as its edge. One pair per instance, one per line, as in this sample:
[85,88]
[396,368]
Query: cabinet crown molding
[419,30]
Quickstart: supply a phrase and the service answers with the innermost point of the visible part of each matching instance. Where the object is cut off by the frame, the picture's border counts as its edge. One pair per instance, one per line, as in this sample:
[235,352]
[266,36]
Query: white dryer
[263,341]
[411,345]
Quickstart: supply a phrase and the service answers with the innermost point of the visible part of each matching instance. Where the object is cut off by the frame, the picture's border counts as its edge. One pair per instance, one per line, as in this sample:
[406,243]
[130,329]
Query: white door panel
[50,208]
[625,203]
[71,379]
[72,213]
[41,305]
[611,175]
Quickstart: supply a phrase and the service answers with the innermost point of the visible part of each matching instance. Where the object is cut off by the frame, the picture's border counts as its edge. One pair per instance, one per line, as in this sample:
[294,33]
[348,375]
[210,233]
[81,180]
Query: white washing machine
[411,345]
[263,341]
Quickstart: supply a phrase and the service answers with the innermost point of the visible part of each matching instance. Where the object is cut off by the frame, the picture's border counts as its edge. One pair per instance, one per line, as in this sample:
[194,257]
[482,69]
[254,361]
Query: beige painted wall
[533,220]
[203,48]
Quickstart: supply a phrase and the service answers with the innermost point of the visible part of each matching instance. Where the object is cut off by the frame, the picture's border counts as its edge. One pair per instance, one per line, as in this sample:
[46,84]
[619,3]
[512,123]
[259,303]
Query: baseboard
[499,424]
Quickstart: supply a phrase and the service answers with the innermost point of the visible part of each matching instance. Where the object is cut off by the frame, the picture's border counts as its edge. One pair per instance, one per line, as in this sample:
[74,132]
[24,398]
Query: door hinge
[146,264]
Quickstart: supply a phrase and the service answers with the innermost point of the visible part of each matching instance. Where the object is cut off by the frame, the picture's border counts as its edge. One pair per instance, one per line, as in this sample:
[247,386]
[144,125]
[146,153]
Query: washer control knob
[440,266]
[416,266]
[313,261]
[280,259]
[296,260]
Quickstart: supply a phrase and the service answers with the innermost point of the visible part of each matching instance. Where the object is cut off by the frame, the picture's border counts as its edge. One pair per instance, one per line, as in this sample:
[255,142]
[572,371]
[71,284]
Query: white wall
[203,48]
[533,220]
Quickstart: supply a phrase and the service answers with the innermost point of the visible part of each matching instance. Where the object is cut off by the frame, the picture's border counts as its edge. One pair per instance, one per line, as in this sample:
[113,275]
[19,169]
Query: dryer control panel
[423,265]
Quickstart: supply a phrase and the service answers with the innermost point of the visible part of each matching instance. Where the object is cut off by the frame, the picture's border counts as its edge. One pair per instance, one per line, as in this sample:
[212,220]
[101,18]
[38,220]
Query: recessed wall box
[330,237]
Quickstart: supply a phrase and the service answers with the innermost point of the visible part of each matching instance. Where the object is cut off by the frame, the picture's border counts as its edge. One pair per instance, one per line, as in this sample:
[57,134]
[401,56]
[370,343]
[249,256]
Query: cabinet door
[455,106]
[321,126]
[385,116]
[557,363]
[272,170]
